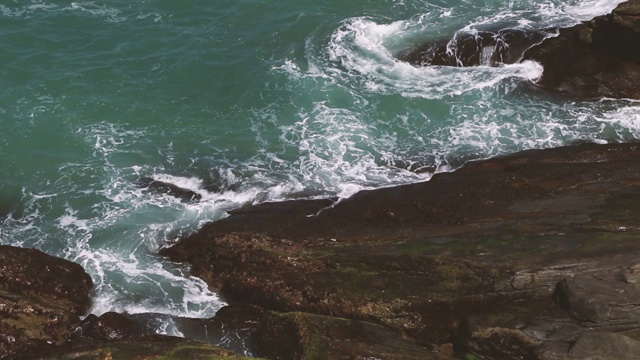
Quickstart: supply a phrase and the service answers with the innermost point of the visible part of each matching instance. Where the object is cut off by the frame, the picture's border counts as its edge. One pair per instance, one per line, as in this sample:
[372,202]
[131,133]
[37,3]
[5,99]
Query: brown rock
[41,298]
[490,240]
[111,326]
[34,273]
[185,195]
[308,336]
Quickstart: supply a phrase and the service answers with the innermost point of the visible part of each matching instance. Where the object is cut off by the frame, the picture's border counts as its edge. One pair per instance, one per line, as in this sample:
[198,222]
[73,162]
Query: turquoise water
[265,100]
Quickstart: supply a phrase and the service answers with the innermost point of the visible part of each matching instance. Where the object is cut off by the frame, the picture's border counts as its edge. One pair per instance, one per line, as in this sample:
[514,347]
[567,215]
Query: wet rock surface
[112,326]
[162,187]
[489,48]
[497,259]
[594,59]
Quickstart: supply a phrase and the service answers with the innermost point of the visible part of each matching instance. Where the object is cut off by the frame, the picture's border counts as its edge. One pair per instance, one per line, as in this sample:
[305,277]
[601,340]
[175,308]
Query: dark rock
[112,326]
[489,241]
[34,273]
[233,326]
[597,345]
[489,48]
[599,58]
[307,336]
[502,343]
[185,195]
[228,329]
[41,298]
[124,336]
[618,33]
[594,59]
[41,301]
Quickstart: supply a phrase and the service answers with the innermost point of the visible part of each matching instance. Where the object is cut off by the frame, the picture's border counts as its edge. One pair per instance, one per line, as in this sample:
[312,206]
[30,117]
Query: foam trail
[359,47]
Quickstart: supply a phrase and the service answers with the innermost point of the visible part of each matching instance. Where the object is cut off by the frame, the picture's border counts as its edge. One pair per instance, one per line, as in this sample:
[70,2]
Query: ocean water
[247,101]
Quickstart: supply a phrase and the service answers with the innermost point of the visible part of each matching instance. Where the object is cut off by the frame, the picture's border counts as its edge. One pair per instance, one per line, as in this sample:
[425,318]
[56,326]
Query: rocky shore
[534,255]
[527,256]
[42,300]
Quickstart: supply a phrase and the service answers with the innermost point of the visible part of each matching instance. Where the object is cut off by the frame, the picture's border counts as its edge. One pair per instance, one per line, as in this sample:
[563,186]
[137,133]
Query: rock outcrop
[486,260]
[594,59]
[41,298]
[599,58]
[299,335]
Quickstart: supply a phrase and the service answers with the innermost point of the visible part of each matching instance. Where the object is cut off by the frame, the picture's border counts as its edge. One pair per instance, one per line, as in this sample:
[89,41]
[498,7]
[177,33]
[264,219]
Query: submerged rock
[185,195]
[487,243]
[488,48]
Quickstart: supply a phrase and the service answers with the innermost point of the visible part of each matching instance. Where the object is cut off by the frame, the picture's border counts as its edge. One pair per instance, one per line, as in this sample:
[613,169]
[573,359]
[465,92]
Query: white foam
[584,10]
[157,17]
[288,67]
[150,287]
[189,183]
[71,223]
[347,190]
[27,10]
[113,228]
[98,10]
[359,47]
[625,121]
[41,6]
